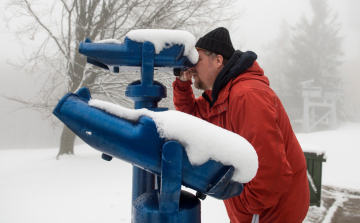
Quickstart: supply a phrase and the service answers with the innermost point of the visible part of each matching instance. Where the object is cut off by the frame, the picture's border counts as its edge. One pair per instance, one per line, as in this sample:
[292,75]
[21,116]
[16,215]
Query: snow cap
[166,38]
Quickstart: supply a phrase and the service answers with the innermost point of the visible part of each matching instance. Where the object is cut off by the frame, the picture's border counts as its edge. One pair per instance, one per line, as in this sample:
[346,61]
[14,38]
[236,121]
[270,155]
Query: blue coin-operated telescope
[146,93]
[160,166]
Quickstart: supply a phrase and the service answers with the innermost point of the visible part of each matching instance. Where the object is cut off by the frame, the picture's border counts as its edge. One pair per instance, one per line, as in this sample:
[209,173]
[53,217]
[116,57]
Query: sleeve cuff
[182,85]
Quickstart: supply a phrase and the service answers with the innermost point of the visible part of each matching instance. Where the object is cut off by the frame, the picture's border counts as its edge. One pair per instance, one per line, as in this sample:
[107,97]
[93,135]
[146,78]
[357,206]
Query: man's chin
[199,86]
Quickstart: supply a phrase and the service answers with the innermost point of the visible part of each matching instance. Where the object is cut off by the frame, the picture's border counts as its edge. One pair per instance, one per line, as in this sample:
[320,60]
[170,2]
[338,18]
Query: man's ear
[219,60]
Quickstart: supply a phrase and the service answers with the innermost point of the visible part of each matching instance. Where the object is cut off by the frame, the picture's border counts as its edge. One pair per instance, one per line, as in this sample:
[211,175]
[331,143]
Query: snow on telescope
[173,49]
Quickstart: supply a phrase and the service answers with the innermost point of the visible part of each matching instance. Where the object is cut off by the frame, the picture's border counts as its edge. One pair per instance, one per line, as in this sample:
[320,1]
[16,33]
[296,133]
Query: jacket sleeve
[184,100]
[253,116]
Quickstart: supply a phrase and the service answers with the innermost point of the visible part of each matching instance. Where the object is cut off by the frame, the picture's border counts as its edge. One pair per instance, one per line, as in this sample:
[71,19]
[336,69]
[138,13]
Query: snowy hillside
[37,188]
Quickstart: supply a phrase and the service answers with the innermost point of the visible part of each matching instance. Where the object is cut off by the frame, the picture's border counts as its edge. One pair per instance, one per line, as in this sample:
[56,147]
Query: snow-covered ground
[35,187]
[342,147]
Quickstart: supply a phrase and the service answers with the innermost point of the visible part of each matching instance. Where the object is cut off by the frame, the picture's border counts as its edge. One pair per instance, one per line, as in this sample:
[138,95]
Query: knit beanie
[217,41]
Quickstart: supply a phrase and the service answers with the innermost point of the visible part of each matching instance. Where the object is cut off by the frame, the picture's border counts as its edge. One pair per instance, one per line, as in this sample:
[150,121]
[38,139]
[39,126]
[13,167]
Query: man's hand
[185,75]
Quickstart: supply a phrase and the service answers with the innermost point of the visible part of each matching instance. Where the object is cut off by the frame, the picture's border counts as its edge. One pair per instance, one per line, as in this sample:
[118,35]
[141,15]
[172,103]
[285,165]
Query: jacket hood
[255,72]
[236,66]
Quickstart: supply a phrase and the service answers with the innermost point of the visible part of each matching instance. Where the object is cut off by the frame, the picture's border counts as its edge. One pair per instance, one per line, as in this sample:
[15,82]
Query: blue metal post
[168,204]
[147,65]
[171,172]
[143,181]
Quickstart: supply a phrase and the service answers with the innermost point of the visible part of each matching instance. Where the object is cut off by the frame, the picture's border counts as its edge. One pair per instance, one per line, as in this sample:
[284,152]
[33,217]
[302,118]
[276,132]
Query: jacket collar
[253,73]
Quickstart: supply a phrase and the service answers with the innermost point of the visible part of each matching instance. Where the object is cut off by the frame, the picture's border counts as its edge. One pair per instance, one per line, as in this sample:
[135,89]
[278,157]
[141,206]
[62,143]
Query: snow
[342,152]
[163,39]
[311,181]
[110,41]
[339,201]
[198,138]
[313,149]
[37,188]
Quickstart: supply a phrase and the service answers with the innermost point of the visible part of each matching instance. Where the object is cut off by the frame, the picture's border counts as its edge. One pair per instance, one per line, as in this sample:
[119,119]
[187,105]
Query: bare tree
[60,25]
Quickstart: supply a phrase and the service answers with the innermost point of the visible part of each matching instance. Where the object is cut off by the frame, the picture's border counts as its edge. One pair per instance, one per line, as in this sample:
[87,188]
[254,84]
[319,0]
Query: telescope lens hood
[226,188]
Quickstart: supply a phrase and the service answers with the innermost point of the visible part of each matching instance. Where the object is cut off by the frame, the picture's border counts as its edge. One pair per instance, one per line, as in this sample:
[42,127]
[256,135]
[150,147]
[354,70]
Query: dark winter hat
[217,41]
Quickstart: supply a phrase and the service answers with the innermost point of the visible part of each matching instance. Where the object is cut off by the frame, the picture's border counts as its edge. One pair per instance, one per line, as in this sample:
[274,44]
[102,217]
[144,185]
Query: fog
[257,25]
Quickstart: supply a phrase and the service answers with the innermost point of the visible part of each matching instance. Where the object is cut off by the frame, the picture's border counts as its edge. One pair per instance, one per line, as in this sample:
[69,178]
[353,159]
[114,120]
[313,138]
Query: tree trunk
[66,142]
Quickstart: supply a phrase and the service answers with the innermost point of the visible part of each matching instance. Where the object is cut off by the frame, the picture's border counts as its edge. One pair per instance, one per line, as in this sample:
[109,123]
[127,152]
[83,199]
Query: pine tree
[316,49]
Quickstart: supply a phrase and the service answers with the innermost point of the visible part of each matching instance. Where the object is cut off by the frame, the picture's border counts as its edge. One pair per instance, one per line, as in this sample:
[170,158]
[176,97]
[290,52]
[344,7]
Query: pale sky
[260,21]
[261,18]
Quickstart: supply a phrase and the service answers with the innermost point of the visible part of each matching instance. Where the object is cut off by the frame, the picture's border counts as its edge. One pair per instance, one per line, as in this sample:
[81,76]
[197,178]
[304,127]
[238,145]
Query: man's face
[204,72]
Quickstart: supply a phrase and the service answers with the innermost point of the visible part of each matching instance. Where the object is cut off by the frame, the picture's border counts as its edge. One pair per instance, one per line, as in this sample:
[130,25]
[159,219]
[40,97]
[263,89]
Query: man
[237,97]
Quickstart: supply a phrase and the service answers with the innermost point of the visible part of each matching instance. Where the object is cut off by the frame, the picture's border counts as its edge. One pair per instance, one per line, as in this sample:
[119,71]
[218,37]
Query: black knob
[200,195]
[106,157]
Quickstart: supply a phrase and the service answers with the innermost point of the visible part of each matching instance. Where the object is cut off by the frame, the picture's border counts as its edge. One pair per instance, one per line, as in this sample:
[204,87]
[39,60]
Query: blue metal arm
[139,144]
[130,54]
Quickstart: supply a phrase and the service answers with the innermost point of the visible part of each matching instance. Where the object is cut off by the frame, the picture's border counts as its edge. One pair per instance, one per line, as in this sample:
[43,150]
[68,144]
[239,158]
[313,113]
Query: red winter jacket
[247,106]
